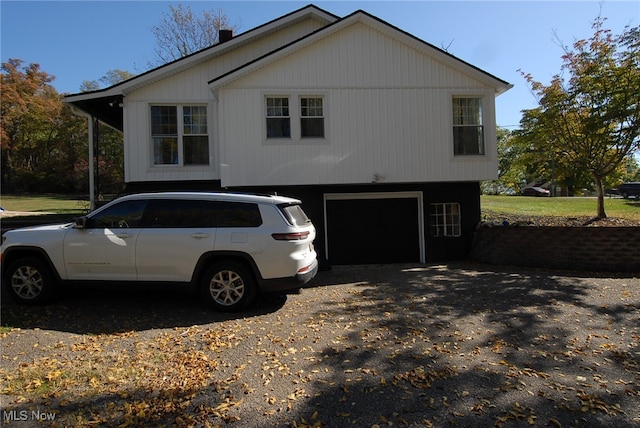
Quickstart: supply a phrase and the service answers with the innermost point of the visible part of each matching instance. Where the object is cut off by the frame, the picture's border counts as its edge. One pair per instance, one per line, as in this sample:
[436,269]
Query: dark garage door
[361,231]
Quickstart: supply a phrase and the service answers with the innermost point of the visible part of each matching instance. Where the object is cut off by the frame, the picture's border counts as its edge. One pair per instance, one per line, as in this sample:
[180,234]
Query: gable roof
[106,104]
[368,19]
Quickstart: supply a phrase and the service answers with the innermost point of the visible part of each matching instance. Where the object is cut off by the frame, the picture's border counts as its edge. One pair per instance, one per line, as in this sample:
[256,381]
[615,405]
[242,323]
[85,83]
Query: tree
[631,170]
[180,33]
[32,130]
[43,144]
[112,77]
[521,163]
[537,158]
[507,155]
[592,117]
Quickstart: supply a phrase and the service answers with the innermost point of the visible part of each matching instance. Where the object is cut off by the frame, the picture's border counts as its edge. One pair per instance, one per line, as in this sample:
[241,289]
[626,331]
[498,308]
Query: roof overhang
[108,108]
[106,104]
[500,86]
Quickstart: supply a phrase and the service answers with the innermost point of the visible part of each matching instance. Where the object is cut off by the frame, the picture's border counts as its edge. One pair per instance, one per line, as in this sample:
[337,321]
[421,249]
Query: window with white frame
[278,118]
[311,117]
[468,130]
[179,135]
[445,219]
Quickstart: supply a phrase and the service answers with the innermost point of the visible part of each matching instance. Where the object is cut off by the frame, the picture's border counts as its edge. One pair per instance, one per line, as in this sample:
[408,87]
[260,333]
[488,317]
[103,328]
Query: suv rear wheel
[228,286]
[30,281]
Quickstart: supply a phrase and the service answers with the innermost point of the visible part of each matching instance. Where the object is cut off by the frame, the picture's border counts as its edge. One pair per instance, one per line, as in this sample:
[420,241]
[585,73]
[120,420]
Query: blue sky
[82,40]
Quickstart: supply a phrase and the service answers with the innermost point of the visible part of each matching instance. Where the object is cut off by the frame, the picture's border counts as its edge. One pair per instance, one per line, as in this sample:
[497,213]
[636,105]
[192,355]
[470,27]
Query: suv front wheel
[228,286]
[30,281]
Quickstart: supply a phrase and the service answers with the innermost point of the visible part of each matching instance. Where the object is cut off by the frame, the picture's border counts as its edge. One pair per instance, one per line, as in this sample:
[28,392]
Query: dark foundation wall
[442,249]
[438,249]
[585,249]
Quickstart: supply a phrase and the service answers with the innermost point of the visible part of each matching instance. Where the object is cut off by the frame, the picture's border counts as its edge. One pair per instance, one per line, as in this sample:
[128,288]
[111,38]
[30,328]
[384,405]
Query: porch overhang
[107,109]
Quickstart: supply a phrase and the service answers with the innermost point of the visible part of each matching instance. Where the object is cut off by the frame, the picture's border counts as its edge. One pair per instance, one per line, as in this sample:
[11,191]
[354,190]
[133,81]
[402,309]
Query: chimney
[225,36]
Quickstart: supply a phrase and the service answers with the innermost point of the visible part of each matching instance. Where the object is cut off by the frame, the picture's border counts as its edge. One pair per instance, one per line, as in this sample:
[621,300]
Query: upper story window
[311,117]
[179,135]
[292,118]
[278,119]
[468,130]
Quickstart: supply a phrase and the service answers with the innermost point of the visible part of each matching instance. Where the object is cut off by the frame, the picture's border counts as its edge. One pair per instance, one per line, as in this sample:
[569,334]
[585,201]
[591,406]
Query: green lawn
[561,206]
[59,204]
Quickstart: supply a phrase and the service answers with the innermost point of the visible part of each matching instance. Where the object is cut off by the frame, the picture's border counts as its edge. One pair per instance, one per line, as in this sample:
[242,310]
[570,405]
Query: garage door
[374,228]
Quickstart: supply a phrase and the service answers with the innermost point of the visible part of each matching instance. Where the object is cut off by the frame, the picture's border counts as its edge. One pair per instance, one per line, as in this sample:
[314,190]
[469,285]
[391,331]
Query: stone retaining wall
[595,249]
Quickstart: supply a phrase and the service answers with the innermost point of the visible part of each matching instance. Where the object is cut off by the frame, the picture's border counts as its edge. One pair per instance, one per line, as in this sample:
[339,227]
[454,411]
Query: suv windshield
[295,215]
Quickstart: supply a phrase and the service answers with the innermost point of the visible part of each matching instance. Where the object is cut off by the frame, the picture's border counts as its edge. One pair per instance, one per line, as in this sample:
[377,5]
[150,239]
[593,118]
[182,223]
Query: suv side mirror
[81,222]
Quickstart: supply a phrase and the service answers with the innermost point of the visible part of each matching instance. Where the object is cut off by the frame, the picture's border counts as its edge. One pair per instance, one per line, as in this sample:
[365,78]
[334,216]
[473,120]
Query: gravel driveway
[418,345]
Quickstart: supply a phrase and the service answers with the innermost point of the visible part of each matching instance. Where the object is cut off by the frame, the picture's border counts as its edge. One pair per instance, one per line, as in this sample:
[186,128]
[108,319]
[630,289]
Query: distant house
[383,136]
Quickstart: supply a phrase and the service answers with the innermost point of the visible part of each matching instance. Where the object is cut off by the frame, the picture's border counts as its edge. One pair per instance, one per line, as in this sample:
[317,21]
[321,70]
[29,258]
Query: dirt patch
[394,345]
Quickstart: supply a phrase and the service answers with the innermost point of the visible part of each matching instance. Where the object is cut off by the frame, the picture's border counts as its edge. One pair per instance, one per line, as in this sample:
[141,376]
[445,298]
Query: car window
[295,215]
[178,213]
[122,215]
[238,214]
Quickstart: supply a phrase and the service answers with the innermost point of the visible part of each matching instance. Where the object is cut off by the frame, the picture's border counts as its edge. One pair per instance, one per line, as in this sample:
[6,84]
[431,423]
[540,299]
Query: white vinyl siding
[360,56]
[403,135]
[386,110]
[190,86]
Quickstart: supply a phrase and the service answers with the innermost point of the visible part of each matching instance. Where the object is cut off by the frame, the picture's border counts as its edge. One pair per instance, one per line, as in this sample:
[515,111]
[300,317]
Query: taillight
[293,236]
[304,269]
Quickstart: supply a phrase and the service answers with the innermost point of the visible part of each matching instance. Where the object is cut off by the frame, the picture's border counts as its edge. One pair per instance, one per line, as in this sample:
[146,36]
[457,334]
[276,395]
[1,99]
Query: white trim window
[179,135]
[468,130]
[445,219]
[311,117]
[278,118]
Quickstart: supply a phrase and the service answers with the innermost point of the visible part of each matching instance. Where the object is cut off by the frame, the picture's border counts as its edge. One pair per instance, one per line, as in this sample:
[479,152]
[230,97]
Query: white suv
[231,246]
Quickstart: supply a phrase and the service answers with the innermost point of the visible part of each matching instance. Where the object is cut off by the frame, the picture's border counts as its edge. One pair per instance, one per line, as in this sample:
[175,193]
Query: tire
[30,281]
[228,286]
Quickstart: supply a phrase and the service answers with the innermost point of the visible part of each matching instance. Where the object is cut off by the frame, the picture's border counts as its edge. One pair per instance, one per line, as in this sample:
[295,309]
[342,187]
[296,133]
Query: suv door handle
[124,235]
[200,235]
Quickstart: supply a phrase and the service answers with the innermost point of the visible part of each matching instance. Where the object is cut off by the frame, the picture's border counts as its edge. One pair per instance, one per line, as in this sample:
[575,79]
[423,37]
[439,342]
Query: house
[383,136]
